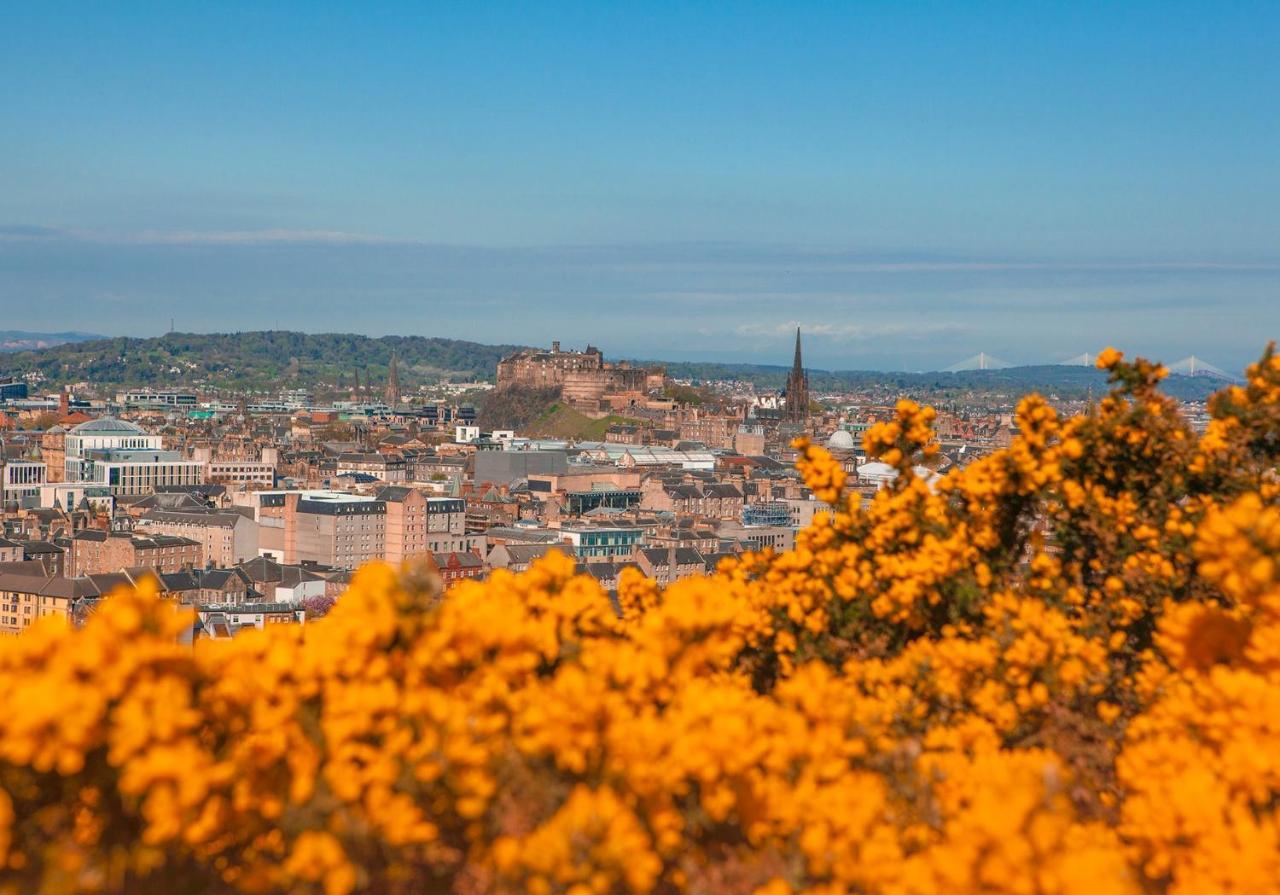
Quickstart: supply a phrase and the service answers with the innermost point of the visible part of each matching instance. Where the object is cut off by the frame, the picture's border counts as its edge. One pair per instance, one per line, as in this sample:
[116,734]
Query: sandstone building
[583,377]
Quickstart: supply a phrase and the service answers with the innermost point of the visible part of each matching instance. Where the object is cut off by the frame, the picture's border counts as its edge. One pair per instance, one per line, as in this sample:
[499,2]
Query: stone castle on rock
[586,381]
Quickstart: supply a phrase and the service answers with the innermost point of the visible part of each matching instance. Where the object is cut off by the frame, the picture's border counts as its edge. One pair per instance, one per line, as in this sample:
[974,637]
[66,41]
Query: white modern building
[70,496]
[107,433]
[150,399]
[125,458]
[20,482]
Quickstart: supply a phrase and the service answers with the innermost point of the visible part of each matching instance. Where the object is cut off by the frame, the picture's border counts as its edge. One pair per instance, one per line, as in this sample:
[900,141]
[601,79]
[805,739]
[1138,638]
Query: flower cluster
[1057,670]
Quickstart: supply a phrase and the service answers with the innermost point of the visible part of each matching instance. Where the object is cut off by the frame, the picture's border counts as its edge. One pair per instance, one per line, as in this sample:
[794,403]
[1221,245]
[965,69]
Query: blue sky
[910,182]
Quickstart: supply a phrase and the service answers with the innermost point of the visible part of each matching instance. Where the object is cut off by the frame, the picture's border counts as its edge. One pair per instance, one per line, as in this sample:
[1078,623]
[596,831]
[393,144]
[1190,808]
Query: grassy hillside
[516,407]
[259,360]
[540,412]
[561,421]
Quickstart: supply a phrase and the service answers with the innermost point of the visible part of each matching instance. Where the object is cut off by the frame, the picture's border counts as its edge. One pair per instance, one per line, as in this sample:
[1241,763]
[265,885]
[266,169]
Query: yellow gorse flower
[1056,670]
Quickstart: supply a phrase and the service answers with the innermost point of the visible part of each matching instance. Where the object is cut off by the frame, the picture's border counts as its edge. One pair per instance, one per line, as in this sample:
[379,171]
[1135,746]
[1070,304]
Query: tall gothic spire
[797,388]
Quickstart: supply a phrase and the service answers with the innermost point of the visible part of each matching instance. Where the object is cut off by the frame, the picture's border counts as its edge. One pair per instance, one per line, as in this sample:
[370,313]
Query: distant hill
[275,359]
[267,361]
[1064,381]
[21,340]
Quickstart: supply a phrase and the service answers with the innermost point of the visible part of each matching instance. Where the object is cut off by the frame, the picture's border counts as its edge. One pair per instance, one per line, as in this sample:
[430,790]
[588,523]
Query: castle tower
[392,395]
[797,406]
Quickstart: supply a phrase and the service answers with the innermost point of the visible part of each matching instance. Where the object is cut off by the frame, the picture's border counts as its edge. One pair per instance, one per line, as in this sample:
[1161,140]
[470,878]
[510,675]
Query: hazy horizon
[732,357]
[911,185]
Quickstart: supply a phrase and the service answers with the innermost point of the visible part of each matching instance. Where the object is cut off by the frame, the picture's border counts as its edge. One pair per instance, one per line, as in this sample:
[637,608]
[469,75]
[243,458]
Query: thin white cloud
[849,332]
[192,237]
[249,237]
[839,266]
[645,258]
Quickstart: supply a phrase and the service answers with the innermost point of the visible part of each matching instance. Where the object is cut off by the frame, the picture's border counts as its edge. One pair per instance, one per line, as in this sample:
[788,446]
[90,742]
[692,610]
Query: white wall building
[69,496]
[20,482]
[124,458]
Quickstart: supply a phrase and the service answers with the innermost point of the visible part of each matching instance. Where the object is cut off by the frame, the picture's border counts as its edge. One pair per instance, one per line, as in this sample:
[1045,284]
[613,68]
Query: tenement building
[333,529]
[228,537]
[93,551]
[417,524]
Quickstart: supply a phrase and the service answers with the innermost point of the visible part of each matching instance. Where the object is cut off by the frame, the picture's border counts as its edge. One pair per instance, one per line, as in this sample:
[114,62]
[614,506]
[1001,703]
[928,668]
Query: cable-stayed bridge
[1194,366]
[980,361]
[1188,366]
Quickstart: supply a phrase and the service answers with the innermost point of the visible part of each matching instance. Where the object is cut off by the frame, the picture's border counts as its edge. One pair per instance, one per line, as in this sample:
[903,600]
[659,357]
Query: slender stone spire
[797,388]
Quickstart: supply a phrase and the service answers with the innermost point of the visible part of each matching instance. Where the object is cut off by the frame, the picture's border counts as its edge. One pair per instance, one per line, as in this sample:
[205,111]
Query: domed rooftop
[840,440]
[108,425]
[877,471]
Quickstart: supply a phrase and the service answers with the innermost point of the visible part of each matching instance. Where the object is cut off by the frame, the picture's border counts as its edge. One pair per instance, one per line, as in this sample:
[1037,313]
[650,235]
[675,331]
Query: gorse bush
[1056,671]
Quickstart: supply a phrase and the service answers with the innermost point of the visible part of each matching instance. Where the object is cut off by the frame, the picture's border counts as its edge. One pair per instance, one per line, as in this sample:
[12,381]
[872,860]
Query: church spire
[797,388]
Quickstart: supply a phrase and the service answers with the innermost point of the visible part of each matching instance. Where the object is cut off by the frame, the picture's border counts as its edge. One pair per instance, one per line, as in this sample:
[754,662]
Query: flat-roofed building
[333,528]
[405,532]
[504,467]
[20,482]
[75,495]
[135,472]
[157,399]
[601,541]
